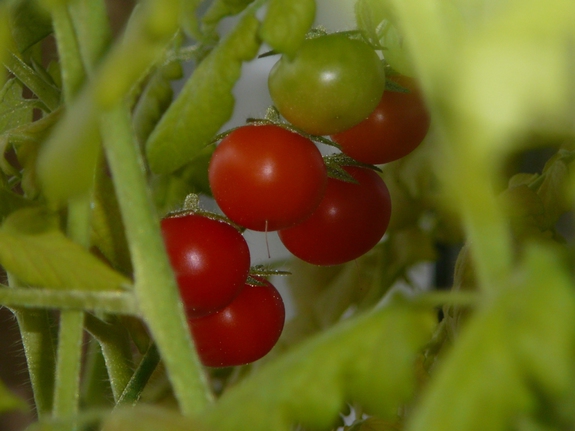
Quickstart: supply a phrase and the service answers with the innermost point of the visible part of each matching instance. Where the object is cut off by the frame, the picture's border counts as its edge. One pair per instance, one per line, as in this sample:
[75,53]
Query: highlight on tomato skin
[394,129]
[210,259]
[243,332]
[350,221]
[266,178]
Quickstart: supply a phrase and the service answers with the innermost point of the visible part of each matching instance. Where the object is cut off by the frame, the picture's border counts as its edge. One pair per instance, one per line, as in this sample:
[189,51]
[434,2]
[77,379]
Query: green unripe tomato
[331,84]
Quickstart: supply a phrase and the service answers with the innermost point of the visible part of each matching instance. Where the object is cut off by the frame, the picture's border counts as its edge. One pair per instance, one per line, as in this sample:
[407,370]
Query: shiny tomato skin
[350,220]
[210,259]
[267,178]
[394,129]
[332,83]
[244,331]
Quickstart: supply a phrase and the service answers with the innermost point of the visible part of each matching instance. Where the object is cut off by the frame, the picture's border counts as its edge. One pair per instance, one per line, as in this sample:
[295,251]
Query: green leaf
[29,23]
[26,140]
[48,94]
[218,10]
[34,250]
[286,24]
[153,102]
[10,202]
[14,109]
[517,347]
[205,103]
[553,190]
[170,190]
[369,360]
[9,402]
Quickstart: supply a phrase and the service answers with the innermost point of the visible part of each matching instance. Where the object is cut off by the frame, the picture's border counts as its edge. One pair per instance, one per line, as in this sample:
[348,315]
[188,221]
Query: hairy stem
[155,286]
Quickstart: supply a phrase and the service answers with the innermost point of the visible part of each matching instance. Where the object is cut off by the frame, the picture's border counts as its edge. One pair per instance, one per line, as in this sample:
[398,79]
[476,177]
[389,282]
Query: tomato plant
[394,129]
[267,178]
[332,83]
[349,221]
[244,331]
[197,247]
[97,147]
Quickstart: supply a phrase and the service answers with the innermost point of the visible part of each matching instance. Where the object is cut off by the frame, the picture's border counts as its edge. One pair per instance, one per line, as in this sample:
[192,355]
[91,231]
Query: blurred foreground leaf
[369,360]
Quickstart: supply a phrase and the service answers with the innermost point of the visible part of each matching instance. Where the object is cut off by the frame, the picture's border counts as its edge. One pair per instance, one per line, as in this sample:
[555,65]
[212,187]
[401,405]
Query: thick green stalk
[92,30]
[68,366]
[155,286]
[69,360]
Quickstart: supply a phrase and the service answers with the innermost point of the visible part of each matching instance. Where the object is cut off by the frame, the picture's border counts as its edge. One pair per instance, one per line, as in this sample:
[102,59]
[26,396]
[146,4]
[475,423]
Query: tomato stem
[155,286]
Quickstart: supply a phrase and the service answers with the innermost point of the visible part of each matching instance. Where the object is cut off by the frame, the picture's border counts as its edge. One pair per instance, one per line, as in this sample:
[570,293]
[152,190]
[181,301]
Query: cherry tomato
[349,221]
[244,331]
[331,84]
[394,129]
[267,178]
[210,259]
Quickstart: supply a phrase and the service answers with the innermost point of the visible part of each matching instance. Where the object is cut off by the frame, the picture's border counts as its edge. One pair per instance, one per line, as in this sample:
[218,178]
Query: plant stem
[114,342]
[138,382]
[66,388]
[155,286]
[73,73]
[92,30]
[39,348]
[104,302]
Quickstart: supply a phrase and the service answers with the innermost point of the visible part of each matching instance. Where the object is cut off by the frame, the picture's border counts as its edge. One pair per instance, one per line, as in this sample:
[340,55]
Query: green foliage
[361,360]
[29,24]
[33,249]
[517,347]
[95,148]
[9,401]
[205,103]
[286,24]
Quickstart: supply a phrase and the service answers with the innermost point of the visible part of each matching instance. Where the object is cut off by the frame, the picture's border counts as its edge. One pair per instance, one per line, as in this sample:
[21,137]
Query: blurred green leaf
[377,20]
[148,418]
[29,23]
[205,103]
[218,10]
[35,251]
[10,202]
[9,402]
[286,23]
[373,424]
[518,346]
[369,360]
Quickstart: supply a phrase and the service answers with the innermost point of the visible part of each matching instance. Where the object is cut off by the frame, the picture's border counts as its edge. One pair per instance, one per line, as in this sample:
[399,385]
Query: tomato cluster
[270,176]
[232,321]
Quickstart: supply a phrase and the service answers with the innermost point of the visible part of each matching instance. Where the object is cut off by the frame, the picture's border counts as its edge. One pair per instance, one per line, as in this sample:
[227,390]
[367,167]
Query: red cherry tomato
[210,258]
[267,178]
[349,221]
[244,331]
[394,129]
